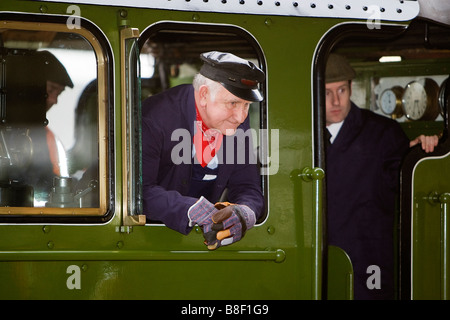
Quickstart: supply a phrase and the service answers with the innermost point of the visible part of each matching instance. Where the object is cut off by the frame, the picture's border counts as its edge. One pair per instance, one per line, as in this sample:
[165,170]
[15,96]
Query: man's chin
[229,132]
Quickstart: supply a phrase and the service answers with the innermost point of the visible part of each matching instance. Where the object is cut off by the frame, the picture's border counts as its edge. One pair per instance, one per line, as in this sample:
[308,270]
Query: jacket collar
[351,128]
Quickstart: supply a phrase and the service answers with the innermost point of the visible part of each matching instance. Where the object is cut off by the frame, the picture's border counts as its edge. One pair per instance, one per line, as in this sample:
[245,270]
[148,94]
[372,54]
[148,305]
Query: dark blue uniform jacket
[166,184]
[362,179]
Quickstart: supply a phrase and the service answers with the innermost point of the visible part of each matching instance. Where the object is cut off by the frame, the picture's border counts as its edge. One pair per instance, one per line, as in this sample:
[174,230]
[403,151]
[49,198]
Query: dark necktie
[327,137]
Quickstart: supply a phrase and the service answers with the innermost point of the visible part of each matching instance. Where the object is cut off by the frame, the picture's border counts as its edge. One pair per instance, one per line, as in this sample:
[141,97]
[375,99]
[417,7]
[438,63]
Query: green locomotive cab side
[86,236]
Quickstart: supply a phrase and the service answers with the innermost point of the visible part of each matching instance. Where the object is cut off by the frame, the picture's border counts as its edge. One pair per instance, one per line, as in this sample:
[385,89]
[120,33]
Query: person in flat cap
[49,155]
[192,139]
[56,75]
[363,163]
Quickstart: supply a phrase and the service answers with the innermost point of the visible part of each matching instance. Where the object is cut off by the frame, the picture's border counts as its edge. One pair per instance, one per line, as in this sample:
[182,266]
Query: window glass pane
[49,146]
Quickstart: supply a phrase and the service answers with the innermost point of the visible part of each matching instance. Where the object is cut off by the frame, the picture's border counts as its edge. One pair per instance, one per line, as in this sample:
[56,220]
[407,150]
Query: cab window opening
[170,56]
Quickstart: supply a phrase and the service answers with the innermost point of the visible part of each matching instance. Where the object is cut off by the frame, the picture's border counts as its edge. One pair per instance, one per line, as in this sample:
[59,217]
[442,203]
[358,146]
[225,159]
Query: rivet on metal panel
[281,256]
[123,13]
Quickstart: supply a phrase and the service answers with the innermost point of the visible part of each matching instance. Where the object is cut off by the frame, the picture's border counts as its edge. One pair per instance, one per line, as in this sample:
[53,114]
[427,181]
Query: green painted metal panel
[429,226]
[340,275]
[276,260]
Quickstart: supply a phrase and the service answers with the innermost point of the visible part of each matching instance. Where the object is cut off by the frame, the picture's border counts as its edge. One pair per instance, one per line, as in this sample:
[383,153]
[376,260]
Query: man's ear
[203,95]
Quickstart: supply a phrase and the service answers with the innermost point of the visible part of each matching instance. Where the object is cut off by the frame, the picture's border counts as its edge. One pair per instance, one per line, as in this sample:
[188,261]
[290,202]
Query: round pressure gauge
[391,101]
[420,100]
[443,96]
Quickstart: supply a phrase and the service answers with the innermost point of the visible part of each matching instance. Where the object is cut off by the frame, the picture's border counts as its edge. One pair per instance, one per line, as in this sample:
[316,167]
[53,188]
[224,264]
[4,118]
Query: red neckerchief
[206,141]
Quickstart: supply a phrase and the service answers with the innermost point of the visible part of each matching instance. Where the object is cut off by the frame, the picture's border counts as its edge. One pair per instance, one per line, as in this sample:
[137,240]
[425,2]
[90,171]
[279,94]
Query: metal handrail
[316,176]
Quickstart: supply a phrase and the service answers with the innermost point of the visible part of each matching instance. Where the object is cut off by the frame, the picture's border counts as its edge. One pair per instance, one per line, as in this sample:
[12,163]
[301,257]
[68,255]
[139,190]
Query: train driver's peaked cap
[338,69]
[237,75]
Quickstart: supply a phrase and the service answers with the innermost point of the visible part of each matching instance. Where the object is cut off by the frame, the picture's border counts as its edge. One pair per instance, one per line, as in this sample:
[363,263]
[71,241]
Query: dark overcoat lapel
[362,179]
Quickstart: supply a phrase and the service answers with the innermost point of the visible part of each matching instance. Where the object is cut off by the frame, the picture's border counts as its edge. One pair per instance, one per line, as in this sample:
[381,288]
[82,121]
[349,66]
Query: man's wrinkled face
[223,110]
[337,101]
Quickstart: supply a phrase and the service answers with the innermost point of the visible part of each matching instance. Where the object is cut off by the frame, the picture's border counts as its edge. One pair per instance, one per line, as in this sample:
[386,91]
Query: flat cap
[338,69]
[54,70]
[237,75]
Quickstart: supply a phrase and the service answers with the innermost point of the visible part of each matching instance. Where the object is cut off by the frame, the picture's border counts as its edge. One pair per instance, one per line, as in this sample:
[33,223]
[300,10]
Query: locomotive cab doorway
[392,63]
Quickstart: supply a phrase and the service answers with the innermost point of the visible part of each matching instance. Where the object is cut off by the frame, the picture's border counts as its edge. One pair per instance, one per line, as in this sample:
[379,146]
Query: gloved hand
[200,213]
[229,225]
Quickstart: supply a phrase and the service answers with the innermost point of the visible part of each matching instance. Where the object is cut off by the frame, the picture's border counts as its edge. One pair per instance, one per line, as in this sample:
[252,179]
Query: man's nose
[240,114]
[335,99]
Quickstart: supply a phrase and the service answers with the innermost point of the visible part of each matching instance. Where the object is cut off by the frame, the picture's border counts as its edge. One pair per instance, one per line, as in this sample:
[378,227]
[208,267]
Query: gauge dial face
[388,102]
[443,96]
[414,100]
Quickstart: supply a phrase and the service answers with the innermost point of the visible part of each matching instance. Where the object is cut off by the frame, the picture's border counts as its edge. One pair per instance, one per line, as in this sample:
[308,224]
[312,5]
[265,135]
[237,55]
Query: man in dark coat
[192,139]
[363,163]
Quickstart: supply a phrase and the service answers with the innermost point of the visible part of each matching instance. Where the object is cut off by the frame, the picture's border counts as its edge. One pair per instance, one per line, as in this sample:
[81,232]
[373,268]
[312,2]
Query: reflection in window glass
[49,120]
